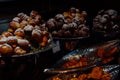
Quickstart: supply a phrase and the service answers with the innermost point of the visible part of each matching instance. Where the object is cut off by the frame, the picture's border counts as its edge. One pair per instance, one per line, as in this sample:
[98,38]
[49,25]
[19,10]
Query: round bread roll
[12,40]
[33,22]
[16,19]
[6,49]
[3,40]
[37,35]
[28,30]
[19,51]
[23,43]
[14,25]
[7,34]
[19,32]
[23,16]
[23,23]
[33,14]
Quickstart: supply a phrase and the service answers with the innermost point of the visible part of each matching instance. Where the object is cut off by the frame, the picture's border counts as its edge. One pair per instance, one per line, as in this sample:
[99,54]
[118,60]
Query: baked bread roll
[6,49]
[19,51]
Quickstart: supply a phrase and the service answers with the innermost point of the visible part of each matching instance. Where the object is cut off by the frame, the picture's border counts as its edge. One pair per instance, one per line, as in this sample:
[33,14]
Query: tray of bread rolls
[23,35]
[69,28]
[69,25]
[106,23]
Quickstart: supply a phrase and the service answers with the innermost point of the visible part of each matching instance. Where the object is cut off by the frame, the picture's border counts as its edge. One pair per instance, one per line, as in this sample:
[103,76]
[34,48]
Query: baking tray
[113,70]
[90,52]
[4,25]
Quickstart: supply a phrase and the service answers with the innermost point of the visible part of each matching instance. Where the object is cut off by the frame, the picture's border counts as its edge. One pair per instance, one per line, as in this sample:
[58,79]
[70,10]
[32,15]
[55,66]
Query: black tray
[112,69]
[70,39]
[4,25]
[90,52]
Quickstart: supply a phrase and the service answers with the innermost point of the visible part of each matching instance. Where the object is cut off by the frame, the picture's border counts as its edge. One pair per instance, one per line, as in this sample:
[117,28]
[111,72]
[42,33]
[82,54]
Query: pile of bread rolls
[24,31]
[71,23]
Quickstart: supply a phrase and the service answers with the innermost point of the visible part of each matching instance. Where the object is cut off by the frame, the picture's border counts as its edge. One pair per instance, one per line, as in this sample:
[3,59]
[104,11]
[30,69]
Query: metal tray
[90,52]
[70,39]
[113,70]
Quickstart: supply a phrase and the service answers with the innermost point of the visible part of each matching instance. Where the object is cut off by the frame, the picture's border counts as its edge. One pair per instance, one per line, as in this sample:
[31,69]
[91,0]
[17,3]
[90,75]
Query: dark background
[48,8]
